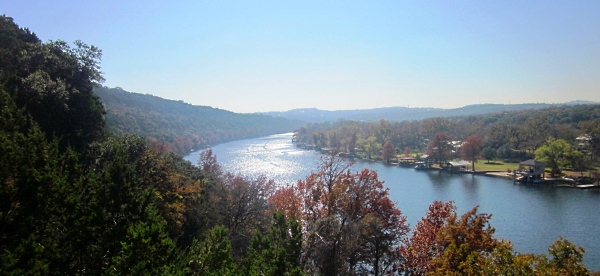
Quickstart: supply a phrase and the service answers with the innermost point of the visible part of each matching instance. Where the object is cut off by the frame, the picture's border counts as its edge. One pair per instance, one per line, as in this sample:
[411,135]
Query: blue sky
[250,56]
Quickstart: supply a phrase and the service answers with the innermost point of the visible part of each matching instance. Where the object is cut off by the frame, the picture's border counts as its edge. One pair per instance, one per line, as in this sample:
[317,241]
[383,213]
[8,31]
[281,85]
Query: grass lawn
[495,165]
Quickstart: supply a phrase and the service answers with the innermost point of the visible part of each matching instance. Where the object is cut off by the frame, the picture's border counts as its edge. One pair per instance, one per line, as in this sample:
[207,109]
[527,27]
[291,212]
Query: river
[531,216]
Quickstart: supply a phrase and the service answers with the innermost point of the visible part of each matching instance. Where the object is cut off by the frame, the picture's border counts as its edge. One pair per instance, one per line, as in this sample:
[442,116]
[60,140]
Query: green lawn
[495,165]
[482,165]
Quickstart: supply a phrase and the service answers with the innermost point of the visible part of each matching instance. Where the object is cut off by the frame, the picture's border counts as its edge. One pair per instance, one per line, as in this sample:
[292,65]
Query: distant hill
[182,126]
[314,115]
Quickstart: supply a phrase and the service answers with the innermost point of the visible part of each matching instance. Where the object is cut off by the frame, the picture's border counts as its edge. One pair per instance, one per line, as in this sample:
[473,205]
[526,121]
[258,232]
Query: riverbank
[560,182]
[555,182]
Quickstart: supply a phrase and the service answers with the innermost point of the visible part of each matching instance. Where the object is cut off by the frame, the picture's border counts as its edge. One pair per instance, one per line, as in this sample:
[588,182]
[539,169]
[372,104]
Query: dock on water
[578,186]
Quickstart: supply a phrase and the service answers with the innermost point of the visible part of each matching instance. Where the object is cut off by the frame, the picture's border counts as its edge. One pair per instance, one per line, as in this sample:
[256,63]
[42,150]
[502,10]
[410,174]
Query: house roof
[584,137]
[459,163]
[532,162]
[407,158]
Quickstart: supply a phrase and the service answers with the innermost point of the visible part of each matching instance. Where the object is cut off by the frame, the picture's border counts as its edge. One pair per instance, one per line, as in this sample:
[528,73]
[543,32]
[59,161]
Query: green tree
[506,152]
[430,126]
[146,249]
[577,161]
[278,251]
[592,128]
[488,153]
[440,147]
[53,82]
[566,259]
[26,170]
[370,146]
[212,256]
[553,153]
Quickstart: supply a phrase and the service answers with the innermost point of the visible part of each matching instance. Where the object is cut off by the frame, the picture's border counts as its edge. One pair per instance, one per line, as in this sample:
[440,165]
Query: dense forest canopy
[53,81]
[77,200]
[179,126]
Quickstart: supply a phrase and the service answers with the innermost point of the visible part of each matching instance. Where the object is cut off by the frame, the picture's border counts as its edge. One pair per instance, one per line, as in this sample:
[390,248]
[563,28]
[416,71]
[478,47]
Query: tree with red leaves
[350,224]
[388,152]
[419,250]
[442,243]
[471,148]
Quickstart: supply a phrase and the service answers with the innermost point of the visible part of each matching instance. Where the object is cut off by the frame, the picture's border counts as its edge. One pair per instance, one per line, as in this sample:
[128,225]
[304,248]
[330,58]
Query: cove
[531,216]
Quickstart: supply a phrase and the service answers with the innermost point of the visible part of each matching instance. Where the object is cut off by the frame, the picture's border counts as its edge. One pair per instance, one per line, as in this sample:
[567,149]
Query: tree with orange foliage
[464,240]
[471,148]
[350,224]
[207,161]
[388,152]
[419,250]
[442,243]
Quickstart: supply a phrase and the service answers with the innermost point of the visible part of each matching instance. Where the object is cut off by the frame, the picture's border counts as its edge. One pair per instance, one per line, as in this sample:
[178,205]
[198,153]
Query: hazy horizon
[266,56]
[381,107]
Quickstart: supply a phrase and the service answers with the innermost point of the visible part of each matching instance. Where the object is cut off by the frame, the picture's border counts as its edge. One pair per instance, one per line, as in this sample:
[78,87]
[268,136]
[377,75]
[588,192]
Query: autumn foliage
[423,246]
[350,223]
[471,149]
[388,152]
[350,226]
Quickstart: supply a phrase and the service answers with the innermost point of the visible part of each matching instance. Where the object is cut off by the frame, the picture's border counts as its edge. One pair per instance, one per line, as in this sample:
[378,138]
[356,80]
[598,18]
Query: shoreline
[554,182]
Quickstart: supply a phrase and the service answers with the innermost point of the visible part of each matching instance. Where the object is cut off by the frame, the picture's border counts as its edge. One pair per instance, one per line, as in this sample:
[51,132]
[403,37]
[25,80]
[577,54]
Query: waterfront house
[426,160]
[456,166]
[531,171]
[407,161]
[583,143]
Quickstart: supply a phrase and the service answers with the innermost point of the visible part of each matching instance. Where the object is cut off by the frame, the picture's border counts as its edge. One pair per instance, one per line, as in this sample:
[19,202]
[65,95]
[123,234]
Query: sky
[258,56]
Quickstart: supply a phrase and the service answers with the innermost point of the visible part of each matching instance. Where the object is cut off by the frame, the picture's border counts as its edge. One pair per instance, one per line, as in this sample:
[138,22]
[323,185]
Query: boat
[420,166]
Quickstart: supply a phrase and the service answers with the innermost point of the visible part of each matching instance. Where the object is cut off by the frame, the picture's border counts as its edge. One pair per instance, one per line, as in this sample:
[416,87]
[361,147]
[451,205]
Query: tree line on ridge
[509,136]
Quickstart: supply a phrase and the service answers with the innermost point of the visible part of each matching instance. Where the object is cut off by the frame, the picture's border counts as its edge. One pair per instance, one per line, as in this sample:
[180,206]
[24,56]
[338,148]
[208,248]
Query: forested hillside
[77,200]
[179,126]
[398,114]
[508,135]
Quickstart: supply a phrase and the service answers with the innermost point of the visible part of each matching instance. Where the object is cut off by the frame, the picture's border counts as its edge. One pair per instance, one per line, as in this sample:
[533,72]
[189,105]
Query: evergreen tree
[53,82]
[277,252]
[212,256]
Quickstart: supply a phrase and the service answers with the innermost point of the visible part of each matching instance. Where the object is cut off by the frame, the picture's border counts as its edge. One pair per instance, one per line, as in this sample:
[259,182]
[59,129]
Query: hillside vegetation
[179,126]
[512,136]
[77,200]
